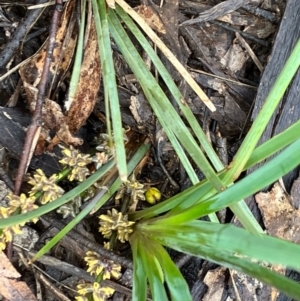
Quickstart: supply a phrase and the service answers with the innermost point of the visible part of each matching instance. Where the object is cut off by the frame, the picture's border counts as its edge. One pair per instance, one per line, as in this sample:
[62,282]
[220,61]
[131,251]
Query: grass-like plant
[179,228]
[175,222]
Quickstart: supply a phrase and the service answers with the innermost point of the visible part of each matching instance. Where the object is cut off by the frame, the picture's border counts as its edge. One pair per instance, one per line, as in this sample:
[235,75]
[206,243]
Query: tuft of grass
[174,223]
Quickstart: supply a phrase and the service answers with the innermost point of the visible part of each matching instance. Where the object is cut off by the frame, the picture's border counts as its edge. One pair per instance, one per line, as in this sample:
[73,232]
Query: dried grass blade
[169,55]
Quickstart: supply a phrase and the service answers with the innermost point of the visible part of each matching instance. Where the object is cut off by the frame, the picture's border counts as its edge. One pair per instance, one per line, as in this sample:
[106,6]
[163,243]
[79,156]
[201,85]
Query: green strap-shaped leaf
[153,271]
[227,238]
[177,285]
[234,248]
[110,86]
[262,177]
[139,290]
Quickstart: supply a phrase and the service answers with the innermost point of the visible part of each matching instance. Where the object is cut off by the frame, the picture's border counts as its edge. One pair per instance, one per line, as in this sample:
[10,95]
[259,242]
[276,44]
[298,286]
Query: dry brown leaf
[10,287]
[235,58]
[89,83]
[65,125]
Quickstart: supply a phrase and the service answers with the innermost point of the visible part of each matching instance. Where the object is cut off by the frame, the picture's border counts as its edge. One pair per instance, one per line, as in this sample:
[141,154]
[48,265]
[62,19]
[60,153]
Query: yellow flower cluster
[98,266]
[115,220]
[133,188]
[16,203]
[71,208]
[77,161]
[99,293]
[49,190]
[40,183]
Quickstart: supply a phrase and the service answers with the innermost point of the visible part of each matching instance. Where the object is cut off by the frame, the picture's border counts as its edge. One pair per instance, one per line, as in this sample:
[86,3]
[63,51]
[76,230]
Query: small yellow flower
[2,242]
[123,233]
[79,173]
[72,157]
[100,158]
[9,231]
[5,212]
[81,298]
[106,245]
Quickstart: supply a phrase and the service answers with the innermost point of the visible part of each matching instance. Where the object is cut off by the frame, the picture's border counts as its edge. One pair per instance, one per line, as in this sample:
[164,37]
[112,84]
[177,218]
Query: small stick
[14,44]
[36,122]
[250,51]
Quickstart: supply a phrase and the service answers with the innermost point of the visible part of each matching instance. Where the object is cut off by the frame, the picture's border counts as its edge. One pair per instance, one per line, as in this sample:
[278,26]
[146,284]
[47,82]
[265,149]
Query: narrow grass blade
[153,271]
[274,145]
[25,217]
[162,107]
[253,136]
[110,87]
[78,56]
[169,55]
[139,289]
[265,175]
[226,238]
[177,285]
[191,119]
[233,260]
[246,217]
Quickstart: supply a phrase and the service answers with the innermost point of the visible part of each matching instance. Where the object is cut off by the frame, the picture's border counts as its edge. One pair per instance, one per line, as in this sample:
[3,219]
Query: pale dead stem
[169,55]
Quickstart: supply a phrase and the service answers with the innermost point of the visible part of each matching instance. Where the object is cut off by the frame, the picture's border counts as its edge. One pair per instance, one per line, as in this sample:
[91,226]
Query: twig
[217,11]
[11,47]
[259,12]
[50,287]
[250,51]
[72,270]
[36,122]
[242,33]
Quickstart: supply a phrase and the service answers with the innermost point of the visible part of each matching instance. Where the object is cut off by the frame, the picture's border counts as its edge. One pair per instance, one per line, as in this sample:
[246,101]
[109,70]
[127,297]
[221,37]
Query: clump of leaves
[174,223]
